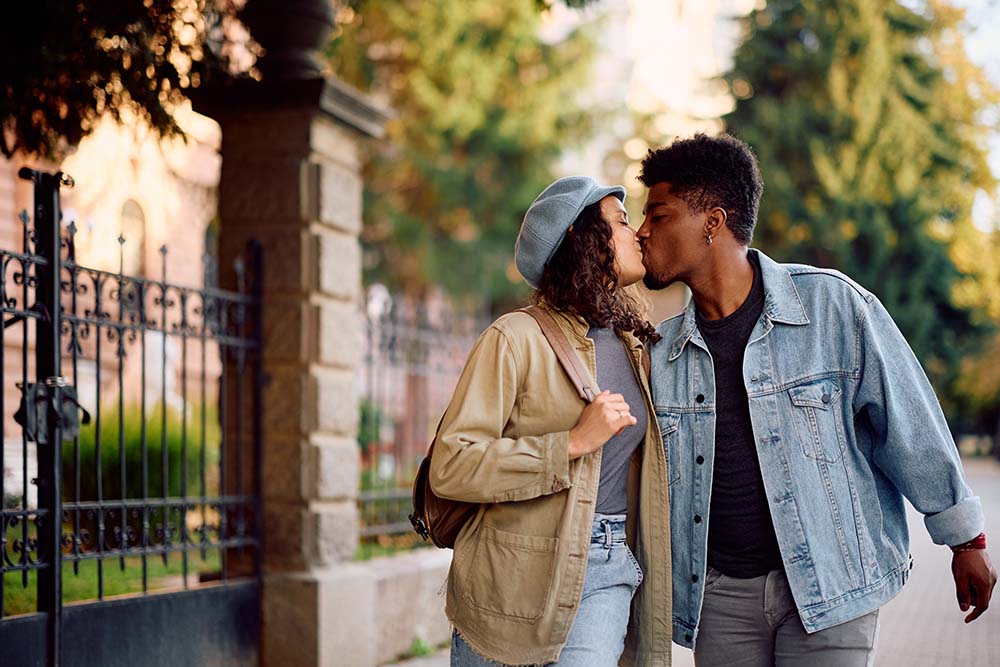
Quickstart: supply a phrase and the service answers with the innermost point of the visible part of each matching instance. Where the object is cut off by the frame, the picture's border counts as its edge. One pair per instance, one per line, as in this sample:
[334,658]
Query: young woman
[574,504]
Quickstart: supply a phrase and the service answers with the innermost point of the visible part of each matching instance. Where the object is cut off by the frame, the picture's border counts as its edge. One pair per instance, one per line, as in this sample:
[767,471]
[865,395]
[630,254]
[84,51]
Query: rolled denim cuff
[958,524]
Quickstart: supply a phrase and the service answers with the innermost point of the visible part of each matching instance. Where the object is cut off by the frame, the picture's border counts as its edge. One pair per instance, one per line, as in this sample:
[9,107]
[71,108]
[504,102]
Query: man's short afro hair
[707,172]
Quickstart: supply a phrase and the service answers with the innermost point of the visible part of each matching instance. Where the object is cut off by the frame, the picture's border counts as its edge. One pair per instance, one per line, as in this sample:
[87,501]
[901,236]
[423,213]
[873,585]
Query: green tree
[483,109]
[975,249]
[63,65]
[871,142]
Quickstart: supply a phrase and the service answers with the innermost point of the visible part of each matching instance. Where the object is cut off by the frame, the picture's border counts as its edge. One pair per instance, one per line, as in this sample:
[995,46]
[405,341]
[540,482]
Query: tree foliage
[867,119]
[63,65]
[483,109]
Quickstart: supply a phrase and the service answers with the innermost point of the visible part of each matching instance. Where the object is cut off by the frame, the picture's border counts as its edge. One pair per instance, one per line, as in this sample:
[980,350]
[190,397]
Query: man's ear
[715,221]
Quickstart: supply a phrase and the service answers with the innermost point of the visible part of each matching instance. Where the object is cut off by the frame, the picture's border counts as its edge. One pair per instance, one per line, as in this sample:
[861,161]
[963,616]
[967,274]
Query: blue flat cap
[550,216]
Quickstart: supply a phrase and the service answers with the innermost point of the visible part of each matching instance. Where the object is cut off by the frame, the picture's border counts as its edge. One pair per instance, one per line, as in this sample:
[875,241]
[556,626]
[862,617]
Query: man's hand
[974,581]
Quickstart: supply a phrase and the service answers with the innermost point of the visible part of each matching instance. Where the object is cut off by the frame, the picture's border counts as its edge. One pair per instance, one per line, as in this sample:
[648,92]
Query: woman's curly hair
[580,278]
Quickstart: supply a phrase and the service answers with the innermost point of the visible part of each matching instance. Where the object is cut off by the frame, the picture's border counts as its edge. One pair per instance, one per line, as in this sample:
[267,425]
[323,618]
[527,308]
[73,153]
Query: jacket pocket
[670,433]
[817,409]
[511,574]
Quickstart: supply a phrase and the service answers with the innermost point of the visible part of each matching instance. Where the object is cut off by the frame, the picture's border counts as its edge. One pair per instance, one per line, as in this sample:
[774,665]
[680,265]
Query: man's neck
[723,284]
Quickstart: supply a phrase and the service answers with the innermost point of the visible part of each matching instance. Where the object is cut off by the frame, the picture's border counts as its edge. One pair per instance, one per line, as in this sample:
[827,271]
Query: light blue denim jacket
[846,425]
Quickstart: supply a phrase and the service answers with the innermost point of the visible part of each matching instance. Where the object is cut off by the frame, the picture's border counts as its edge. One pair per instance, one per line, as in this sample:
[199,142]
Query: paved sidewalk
[439,659]
[923,626]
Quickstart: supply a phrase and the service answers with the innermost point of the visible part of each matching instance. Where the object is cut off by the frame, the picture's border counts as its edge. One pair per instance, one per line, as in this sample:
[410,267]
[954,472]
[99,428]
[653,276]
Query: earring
[708,239]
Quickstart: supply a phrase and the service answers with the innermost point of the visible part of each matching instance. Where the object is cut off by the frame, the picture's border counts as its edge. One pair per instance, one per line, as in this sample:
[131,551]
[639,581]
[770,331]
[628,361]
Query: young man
[795,419]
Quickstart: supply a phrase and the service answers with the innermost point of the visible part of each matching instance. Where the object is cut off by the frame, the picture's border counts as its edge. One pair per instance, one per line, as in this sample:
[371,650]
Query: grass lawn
[388,545]
[83,586]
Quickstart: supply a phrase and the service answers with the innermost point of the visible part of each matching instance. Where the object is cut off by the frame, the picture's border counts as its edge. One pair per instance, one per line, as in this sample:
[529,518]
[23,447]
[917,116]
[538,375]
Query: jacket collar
[781,303]
[578,328]
[572,324]
[781,300]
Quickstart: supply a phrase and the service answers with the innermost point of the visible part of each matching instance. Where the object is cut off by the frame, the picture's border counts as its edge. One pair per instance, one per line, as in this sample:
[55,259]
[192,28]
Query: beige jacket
[517,574]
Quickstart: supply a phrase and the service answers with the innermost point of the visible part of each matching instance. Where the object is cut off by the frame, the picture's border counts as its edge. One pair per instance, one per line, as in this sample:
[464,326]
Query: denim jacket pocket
[670,434]
[817,411]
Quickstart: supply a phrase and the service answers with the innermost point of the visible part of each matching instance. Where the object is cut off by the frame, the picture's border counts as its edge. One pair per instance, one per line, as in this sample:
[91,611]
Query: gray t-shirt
[614,373]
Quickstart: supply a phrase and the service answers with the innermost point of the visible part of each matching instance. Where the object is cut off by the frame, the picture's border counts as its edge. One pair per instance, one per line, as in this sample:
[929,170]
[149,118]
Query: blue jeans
[597,637]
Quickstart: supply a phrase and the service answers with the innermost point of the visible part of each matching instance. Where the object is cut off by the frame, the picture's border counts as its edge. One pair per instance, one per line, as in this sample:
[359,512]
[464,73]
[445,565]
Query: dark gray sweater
[614,373]
[741,539]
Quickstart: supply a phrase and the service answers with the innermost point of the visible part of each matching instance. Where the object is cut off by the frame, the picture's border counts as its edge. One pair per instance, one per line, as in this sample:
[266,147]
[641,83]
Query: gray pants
[754,623]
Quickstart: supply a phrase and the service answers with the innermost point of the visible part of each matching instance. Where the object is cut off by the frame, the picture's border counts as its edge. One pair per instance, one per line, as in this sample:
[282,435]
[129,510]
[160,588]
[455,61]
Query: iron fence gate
[130,445]
[414,355]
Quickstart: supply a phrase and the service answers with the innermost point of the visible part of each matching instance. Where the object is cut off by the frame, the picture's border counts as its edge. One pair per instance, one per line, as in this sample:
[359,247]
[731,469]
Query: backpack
[440,519]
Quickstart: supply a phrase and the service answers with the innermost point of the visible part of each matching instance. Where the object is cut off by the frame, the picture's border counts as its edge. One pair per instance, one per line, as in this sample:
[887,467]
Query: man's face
[672,238]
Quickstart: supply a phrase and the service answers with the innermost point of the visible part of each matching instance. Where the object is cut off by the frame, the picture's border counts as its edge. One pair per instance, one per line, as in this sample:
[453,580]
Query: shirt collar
[781,302]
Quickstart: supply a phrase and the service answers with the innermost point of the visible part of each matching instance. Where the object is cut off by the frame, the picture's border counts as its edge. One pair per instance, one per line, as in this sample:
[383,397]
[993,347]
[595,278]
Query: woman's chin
[632,279]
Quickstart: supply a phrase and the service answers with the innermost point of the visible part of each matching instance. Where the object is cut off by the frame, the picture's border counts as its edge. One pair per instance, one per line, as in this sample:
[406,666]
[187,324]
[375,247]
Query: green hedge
[131,440]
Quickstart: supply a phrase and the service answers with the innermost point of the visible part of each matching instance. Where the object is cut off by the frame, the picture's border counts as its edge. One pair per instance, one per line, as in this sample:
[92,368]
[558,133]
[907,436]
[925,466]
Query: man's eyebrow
[652,205]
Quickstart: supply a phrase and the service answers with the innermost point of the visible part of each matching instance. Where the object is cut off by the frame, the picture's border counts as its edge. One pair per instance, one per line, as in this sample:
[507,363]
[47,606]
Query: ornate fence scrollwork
[138,405]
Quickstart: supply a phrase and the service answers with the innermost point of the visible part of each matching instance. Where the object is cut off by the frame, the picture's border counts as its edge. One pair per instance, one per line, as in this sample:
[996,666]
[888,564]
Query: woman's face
[624,242]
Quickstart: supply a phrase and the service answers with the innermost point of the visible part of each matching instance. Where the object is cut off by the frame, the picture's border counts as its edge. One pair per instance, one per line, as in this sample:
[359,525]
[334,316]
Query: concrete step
[439,659]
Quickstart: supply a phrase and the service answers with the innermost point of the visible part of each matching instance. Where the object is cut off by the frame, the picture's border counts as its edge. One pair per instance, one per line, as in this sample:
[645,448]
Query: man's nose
[643,232]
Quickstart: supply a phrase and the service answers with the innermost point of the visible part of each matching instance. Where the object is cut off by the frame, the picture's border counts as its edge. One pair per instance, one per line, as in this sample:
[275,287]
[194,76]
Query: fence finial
[121,253]
[163,257]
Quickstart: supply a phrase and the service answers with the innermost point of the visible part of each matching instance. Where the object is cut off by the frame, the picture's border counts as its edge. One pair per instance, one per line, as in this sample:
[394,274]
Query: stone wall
[409,601]
[357,614]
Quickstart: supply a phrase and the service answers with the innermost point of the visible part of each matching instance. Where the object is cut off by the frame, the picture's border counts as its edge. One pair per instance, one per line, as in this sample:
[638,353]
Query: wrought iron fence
[414,355]
[138,402]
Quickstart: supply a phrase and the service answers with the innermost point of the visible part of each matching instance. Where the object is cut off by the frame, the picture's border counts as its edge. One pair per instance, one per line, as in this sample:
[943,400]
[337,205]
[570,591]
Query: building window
[133,228]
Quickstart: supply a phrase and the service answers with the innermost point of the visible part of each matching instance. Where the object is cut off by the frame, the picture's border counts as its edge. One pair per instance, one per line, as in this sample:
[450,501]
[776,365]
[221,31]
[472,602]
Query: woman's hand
[607,416]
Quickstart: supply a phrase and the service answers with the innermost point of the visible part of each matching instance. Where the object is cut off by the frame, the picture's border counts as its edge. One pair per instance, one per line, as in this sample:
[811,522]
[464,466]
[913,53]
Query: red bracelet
[975,544]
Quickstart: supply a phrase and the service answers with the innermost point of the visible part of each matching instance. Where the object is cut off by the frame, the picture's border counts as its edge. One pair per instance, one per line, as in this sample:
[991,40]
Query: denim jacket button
[754,378]
[697,518]
[825,398]
[700,459]
[700,398]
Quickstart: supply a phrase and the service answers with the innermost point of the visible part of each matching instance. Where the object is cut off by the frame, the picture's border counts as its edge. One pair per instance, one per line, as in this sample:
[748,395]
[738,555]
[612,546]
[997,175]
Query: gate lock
[36,402]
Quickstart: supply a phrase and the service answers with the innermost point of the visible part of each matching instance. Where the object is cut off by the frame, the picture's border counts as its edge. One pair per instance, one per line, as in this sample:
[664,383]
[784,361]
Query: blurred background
[877,127]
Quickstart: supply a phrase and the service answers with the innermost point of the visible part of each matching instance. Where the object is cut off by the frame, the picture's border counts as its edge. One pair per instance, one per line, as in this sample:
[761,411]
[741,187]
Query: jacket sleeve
[912,445]
[472,460]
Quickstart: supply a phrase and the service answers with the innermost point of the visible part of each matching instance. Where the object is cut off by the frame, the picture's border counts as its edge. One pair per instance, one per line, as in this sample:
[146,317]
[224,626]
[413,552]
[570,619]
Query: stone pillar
[291,180]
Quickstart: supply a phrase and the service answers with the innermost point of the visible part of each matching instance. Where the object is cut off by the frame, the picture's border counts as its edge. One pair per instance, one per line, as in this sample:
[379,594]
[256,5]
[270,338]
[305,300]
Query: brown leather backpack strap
[568,358]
